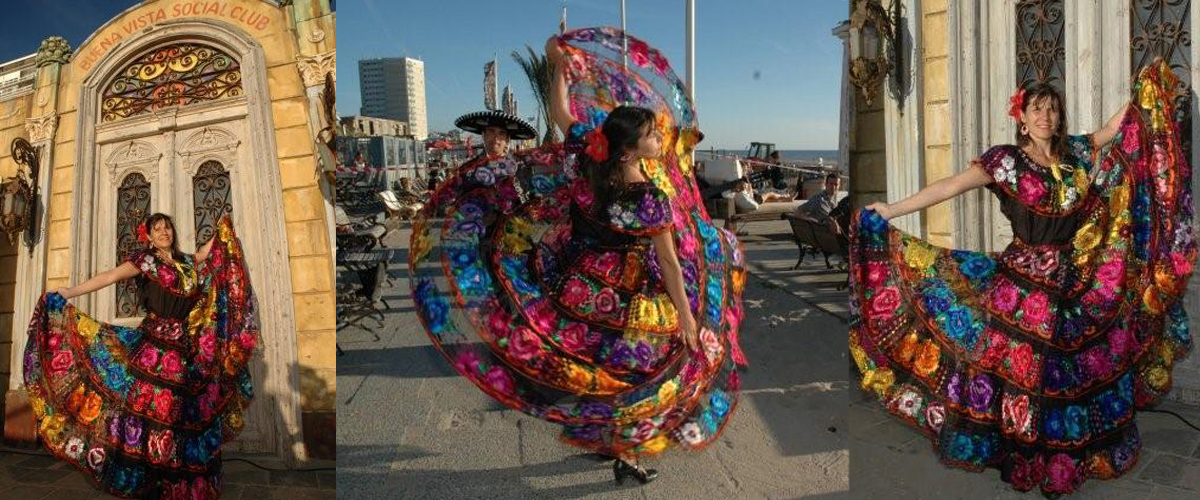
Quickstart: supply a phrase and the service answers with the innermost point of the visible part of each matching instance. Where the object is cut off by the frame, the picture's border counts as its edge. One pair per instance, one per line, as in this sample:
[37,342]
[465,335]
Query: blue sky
[787,43]
[30,21]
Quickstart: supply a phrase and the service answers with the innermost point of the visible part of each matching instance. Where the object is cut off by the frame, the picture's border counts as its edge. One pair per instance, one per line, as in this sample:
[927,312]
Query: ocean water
[794,155]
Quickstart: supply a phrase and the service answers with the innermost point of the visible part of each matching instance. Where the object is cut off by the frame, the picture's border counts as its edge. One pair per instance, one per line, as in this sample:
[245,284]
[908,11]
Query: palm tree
[540,72]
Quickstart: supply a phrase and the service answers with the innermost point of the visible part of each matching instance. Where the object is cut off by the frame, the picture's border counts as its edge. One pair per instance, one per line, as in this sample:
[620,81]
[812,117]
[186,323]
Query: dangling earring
[1024,130]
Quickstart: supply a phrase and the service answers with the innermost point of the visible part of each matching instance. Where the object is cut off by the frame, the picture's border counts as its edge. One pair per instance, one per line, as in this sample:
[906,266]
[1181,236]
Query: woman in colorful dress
[582,283]
[1034,360]
[143,412]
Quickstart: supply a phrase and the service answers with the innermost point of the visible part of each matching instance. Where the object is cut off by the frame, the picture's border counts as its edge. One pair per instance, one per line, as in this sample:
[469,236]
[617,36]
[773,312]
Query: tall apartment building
[394,88]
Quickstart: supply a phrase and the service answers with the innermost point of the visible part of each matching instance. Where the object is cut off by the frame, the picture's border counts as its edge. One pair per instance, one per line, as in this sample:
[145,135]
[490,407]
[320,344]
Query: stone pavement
[410,427]
[890,459]
[34,475]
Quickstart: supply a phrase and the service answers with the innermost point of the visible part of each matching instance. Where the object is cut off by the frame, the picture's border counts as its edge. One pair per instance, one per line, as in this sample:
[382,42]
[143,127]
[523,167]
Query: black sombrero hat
[476,122]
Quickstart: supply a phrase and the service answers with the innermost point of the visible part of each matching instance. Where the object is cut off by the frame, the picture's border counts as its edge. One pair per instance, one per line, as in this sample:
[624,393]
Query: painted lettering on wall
[130,26]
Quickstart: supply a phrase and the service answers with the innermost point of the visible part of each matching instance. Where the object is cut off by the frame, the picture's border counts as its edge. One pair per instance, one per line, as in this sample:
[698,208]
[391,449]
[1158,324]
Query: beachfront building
[394,88]
[958,64]
[191,109]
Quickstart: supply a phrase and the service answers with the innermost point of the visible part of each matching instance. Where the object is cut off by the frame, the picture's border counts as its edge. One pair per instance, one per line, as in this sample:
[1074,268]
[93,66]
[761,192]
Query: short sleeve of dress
[138,257]
[1080,146]
[642,210]
[1000,163]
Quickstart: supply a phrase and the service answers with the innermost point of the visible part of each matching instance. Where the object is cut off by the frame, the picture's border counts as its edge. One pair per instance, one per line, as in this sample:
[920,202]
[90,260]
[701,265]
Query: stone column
[53,53]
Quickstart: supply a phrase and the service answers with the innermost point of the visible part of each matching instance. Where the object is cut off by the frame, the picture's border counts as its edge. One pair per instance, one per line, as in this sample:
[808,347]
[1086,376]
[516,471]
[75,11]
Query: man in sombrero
[497,128]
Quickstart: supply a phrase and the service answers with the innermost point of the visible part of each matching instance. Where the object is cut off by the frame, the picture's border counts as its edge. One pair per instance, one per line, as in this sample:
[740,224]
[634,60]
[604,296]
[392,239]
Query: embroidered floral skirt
[544,324]
[143,412]
[999,359]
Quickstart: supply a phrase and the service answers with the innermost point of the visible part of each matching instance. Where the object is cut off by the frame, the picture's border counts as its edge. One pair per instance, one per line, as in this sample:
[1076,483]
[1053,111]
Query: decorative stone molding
[209,144]
[41,129]
[316,36]
[53,50]
[138,156]
[314,68]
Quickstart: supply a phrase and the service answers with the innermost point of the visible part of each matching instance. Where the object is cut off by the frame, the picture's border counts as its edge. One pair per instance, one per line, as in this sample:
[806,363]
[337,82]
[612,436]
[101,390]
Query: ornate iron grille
[1162,28]
[211,198]
[133,206]
[1041,56]
[175,75]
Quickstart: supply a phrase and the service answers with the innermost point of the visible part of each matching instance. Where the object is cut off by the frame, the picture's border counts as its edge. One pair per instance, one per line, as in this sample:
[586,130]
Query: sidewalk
[410,427]
[42,477]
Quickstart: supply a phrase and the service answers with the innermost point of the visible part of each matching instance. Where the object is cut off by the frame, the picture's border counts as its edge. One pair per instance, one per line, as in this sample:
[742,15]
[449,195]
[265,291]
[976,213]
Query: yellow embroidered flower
[420,242]
[655,445]
[667,390]
[38,405]
[907,349]
[1087,237]
[879,380]
[1153,300]
[654,170]
[928,359]
[87,327]
[516,235]
[919,255]
[860,356]
[52,428]
[235,422]
[1118,198]
[1158,378]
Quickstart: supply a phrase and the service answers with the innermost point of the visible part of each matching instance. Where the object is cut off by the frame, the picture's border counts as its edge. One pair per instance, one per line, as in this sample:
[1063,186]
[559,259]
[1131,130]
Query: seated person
[411,201]
[819,207]
[743,197]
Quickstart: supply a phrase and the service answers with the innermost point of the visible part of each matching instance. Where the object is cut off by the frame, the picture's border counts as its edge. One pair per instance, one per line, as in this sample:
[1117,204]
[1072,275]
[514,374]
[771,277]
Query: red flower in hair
[142,234]
[597,145]
[1016,102]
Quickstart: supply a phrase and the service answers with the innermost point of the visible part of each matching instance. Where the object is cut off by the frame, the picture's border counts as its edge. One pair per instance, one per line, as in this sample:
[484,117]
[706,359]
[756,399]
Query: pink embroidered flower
[645,430]
[607,262]
[575,292]
[541,315]
[1096,362]
[247,340]
[167,276]
[997,348]
[1111,274]
[208,344]
[161,446]
[162,405]
[877,274]
[1120,342]
[1020,367]
[606,301]
[1036,309]
[639,52]
[61,362]
[574,337]
[582,193]
[200,489]
[499,380]
[1030,189]
[687,245]
[523,344]
[1181,264]
[54,341]
[467,362]
[1005,297]
[95,458]
[1046,263]
[935,414]
[884,304]
[171,363]
[1061,474]
[1027,473]
[712,346]
[1016,414]
[148,358]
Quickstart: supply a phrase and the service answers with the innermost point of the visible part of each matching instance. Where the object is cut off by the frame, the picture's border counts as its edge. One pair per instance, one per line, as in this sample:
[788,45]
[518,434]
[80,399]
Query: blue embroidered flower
[1114,406]
[959,325]
[596,411]
[472,281]
[1054,427]
[719,403]
[55,301]
[542,184]
[1075,421]
[977,267]
[460,257]
[128,336]
[983,449]
[937,298]
[872,222]
[962,447]
[709,422]
[596,117]
[1055,376]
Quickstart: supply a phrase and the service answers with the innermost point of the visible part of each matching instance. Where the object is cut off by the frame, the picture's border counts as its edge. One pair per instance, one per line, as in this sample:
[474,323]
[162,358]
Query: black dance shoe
[621,469]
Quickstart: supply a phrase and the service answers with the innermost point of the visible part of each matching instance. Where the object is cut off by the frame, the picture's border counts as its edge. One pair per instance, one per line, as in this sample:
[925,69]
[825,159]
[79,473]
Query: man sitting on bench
[821,205]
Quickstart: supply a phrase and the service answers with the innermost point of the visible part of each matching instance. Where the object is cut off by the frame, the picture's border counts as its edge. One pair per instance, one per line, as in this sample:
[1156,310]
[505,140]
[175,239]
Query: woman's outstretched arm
[202,252]
[1109,130]
[668,262]
[935,193]
[560,102]
[121,272]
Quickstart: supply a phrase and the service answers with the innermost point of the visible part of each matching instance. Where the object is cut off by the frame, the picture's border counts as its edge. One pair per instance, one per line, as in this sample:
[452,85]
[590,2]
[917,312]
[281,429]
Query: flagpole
[690,42]
[624,41]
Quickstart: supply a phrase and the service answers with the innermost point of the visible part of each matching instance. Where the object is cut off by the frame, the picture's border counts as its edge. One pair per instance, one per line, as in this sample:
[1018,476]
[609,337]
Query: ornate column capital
[313,68]
[53,50]
[41,129]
